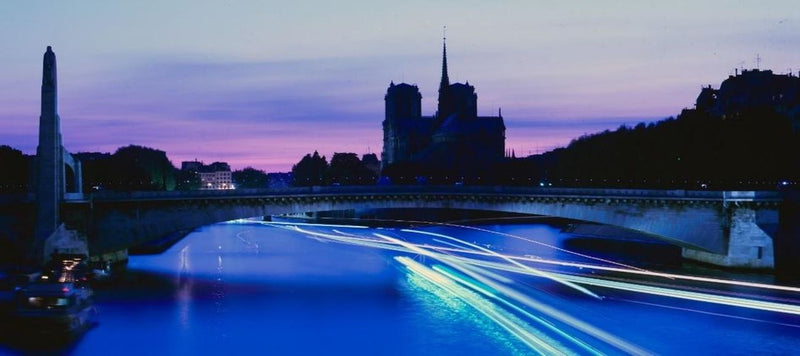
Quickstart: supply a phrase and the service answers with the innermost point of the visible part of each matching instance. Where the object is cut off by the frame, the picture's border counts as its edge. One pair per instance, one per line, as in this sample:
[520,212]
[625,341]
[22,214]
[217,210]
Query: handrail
[432,189]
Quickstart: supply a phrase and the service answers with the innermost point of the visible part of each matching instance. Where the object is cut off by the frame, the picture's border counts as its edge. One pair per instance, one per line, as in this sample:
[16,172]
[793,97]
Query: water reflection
[183,292]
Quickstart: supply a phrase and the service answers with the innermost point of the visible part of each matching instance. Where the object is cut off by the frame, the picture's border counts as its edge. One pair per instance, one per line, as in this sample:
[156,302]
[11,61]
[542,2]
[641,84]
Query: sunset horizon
[261,87]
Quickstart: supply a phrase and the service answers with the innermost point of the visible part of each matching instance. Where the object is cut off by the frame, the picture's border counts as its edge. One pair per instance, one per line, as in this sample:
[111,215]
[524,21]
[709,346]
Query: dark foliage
[756,149]
[130,168]
[347,169]
[187,180]
[249,178]
[310,170]
[344,169]
[15,170]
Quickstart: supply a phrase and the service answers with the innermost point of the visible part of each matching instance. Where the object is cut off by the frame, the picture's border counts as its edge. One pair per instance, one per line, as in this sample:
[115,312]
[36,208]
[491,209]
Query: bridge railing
[414,189]
[433,189]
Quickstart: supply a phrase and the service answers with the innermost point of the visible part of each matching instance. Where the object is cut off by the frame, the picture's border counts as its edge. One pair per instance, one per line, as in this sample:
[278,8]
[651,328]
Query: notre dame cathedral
[453,145]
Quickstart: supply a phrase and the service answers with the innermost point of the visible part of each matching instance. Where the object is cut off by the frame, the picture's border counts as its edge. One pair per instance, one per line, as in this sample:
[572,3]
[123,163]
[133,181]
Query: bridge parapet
[715,225]
[494,190]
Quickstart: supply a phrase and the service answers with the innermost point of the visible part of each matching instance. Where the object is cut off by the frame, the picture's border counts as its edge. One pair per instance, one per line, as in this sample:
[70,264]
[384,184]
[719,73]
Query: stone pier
[750,229]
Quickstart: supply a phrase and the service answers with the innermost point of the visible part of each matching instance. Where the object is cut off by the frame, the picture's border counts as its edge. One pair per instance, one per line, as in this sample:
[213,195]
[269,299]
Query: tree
[96,169]
[754,149]
[187,180]
[14,171]
[310,170]
[347,169]
[249,178]
[130,168]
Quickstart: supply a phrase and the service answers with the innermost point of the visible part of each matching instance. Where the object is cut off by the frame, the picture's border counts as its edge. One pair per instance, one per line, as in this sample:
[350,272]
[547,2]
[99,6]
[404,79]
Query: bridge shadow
[644,254]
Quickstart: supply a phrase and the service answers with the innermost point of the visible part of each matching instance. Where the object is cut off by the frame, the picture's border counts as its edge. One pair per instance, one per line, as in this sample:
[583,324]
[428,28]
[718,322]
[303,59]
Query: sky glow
[261,83]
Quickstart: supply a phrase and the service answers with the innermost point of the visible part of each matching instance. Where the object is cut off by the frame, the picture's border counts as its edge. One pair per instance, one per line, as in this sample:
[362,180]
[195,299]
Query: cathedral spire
[445,79]
[444,85]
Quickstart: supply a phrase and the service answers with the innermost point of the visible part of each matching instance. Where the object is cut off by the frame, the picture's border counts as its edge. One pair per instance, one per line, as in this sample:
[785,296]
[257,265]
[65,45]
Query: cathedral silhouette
[454,144]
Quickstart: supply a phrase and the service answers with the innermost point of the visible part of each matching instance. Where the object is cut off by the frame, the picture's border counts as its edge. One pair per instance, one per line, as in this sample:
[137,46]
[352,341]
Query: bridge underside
[730,234]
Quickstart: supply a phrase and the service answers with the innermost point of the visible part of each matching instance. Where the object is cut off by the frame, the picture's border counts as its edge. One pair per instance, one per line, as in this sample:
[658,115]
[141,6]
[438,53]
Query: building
[752,89]
[195,165]
[216,180]
[214,176]
[455,142]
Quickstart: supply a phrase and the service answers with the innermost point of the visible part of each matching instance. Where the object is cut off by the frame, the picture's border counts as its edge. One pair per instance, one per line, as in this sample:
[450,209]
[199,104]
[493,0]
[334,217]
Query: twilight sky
[261,83]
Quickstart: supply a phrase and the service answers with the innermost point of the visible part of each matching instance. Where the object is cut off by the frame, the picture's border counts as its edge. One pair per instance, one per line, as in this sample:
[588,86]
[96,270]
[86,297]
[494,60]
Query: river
[249,287]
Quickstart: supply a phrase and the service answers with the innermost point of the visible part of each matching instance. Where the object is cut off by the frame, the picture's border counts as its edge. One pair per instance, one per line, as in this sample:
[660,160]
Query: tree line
[758,148]
[344,169]
[129,168]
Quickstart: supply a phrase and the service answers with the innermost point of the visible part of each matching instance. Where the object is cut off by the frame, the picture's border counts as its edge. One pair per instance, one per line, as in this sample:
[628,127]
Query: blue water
[249,288]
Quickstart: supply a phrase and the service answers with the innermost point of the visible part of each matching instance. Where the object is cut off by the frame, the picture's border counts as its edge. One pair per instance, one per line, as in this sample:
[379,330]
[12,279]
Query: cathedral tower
[402,120]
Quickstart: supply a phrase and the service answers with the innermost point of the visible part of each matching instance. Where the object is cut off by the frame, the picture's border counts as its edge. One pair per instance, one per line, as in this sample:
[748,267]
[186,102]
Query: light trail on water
[509,260]
[669,292]
[459,264]
[627,269]
[709,313]
[453,253]
[475,228]
[537,343]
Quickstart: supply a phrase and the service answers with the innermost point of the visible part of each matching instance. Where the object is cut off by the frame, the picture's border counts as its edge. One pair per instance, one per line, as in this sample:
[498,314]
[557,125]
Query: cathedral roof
[462,86]
[402,85]
[456,125]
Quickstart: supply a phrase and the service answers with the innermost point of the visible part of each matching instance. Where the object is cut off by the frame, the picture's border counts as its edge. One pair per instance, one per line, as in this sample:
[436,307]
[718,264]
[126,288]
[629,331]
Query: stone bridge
[725,228]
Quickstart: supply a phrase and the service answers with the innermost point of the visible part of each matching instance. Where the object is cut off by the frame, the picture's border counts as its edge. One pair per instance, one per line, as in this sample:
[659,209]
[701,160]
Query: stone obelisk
[49,157]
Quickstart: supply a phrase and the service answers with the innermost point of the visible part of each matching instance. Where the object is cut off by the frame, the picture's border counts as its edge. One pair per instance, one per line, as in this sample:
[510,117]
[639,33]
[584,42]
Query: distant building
[216,166]
[216,180]
[214,176]
[753,89]
[195,166]
[453,141]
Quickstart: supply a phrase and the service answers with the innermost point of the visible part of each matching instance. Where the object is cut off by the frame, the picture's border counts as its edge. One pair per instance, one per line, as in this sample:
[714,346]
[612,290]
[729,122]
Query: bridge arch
[73,177]
[729,228]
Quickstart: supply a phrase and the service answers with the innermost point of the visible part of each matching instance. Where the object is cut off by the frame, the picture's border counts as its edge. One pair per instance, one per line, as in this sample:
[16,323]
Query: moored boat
[56,308]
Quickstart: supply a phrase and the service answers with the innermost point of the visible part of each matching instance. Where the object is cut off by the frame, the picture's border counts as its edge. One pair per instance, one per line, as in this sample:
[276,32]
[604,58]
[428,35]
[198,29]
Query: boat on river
[55,308]
[60,302]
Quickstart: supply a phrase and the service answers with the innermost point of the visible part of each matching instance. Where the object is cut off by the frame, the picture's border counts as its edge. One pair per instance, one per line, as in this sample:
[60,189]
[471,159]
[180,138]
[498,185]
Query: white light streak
[517,309]
[509,260]
[489,310]
[457,263]
[311,224]
[475,228]
[661,291]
